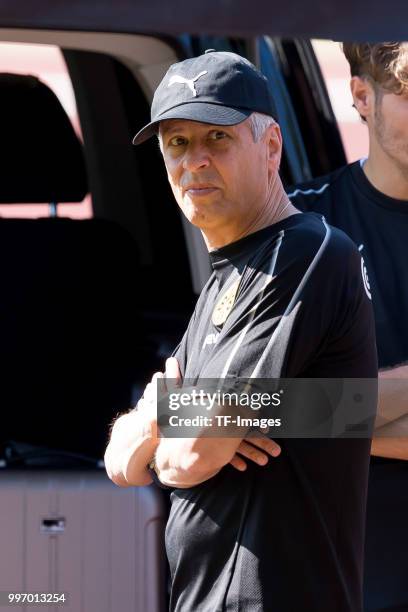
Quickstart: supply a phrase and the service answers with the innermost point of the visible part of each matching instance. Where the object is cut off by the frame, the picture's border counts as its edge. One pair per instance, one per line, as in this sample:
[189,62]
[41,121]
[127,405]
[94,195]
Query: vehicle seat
[71,347]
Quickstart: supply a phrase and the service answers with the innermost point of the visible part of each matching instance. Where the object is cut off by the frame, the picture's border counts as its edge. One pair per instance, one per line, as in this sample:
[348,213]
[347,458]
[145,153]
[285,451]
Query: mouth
[200,190]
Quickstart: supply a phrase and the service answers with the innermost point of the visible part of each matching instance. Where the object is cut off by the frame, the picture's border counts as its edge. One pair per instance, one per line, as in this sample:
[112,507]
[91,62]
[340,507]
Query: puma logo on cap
[189,82]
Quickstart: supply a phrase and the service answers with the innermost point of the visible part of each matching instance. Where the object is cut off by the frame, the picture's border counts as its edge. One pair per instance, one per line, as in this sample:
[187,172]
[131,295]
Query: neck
[385,175]
[277,207]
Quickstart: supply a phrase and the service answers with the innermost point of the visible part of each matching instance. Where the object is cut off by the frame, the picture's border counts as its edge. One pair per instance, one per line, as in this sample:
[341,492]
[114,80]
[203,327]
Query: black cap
[218,87]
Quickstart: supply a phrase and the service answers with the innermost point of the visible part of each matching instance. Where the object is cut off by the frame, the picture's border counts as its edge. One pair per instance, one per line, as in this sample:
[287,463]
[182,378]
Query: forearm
[391,448]
[130,449]
[392,395]
[186,462]
[392,440]
[391,431]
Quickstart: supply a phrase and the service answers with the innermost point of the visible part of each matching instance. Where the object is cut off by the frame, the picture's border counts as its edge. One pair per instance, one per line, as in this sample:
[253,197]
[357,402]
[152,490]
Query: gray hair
[258,122]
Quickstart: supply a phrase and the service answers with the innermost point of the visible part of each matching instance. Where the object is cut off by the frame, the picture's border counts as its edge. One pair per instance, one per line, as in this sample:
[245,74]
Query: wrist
[134,460]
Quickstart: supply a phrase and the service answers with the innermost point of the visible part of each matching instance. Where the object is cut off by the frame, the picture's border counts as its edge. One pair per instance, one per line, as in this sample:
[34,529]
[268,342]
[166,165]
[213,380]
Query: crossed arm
[391,435]
[185,462]
[181,462]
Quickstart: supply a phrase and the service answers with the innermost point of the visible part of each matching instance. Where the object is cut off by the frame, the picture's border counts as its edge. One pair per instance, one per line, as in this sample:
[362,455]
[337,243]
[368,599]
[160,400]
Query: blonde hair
[384,64]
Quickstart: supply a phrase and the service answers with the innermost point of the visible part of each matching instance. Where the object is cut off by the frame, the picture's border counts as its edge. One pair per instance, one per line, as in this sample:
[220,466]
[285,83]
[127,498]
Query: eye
[217,135]
[177,141]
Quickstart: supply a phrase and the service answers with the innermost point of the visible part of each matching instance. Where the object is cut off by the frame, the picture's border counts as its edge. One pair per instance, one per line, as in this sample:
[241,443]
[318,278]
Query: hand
[256,449]
[148,401]
[173,372]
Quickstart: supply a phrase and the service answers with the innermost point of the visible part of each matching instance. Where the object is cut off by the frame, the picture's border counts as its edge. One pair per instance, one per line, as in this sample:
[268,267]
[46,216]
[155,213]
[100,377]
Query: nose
[195,158]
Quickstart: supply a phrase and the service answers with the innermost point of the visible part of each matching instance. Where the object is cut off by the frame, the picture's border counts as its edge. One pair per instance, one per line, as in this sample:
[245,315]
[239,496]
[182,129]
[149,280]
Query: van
[91,307]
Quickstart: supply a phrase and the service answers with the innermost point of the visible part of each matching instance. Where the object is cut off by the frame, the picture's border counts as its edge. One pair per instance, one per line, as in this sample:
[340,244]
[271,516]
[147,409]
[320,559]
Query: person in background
[368,199]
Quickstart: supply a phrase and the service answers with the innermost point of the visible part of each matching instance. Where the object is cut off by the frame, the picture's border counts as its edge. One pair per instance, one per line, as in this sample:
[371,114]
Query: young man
[368,199]
[286,299]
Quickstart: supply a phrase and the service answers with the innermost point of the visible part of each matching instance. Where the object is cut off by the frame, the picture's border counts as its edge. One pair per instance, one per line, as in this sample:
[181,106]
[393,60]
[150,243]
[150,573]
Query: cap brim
[204,112]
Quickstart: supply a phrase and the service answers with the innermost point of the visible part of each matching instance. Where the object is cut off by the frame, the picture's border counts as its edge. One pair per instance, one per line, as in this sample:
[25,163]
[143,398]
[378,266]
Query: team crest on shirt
[225,304]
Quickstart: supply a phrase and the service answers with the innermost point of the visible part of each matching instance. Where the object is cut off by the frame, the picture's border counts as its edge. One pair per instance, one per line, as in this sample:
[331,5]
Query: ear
[274,137]
[363,96]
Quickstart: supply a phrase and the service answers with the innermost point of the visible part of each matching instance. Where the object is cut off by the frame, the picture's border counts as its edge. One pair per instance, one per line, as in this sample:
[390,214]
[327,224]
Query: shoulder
[311,193]
[310,232]
[320,267]
[307,252]
[312,245]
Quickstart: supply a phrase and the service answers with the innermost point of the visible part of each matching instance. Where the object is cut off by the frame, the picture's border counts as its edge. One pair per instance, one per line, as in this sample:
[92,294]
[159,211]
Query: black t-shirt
[378,225]
[289,535]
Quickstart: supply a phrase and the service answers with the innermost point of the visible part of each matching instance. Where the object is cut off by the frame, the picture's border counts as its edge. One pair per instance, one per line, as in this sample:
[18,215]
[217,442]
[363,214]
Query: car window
[294,166]
[45,62]
[196,45]
[336,73]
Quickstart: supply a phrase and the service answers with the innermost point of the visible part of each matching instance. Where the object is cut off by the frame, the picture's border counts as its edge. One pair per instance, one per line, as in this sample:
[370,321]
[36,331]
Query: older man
[286,299]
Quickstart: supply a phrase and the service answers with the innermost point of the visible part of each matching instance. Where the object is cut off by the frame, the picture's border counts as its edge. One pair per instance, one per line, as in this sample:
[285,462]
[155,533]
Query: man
[286,299]
[368,199]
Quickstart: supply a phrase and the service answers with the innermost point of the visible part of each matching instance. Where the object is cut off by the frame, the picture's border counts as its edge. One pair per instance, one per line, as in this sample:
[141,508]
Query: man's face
[218,174]
[389,126]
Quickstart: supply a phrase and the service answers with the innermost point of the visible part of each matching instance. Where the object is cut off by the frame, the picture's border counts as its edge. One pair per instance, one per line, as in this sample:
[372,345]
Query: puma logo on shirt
[210,339]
